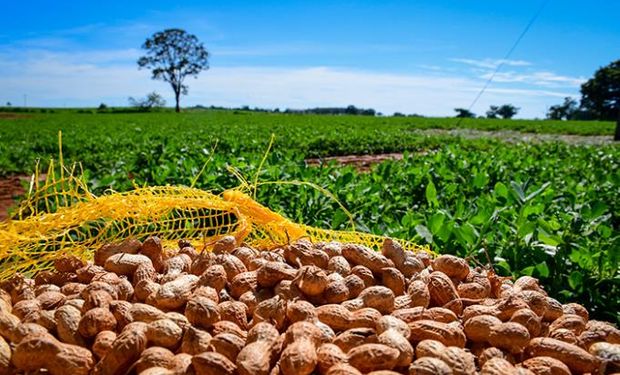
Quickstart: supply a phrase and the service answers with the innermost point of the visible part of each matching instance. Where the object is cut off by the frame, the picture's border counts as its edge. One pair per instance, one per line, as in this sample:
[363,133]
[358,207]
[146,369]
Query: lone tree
[172,55]
[600,95]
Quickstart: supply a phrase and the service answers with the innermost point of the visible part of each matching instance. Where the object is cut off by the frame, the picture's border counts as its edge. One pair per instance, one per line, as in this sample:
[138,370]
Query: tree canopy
[464,113]
[152,100]
[564,111]
[600,95]
[506,111]
[172,55]
[492,112]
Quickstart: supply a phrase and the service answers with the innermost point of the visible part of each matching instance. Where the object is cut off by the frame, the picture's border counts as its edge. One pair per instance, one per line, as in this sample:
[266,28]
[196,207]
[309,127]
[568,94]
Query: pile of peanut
[323,308]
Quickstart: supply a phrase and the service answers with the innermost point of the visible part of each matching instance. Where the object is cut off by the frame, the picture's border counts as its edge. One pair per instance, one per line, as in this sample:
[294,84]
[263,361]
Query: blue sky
[424,57]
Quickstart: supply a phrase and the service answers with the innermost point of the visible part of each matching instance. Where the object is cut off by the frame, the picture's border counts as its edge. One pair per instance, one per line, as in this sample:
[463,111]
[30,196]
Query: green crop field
[123,141]
[547,209]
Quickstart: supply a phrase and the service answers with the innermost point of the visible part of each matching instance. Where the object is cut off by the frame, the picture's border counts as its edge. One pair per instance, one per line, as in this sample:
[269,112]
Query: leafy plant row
[104,139]
[549,210]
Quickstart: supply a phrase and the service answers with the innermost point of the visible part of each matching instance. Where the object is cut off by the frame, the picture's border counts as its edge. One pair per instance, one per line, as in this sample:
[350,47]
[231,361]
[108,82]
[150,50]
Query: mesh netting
[61,217]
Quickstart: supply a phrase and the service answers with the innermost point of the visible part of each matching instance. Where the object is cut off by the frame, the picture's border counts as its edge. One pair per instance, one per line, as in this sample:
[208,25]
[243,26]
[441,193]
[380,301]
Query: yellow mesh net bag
[62,217]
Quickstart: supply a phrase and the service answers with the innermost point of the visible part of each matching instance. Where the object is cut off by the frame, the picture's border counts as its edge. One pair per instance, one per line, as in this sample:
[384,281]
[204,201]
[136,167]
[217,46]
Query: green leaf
[347,178]
[598,209]
[604,231]
[501,191]
[538,192]
[445,231]
[467,234]
[549,224]
[575,280]
[503,266]
[528,271]
[480,180]
[542,269]
[548,239]
[517,191]
[532,210]
[482,216]
[408,220]
[526,229]
[431,194]
[424,233]
[339,218]
[435,222]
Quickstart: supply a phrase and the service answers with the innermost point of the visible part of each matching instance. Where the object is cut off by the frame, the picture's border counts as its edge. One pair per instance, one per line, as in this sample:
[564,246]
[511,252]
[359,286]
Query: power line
[507,56]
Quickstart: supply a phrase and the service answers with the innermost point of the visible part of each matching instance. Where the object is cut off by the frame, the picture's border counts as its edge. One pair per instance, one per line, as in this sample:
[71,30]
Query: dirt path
[513,136]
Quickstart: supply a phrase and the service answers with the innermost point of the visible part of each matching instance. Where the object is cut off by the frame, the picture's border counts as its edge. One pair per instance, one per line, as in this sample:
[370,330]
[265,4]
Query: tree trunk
[177,95]
[617,135]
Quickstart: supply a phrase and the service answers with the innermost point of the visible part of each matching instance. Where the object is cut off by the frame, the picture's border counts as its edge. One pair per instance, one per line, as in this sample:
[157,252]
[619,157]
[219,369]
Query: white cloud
[541,78]
[88,78]
[491,63]
[300,88]
[523,72]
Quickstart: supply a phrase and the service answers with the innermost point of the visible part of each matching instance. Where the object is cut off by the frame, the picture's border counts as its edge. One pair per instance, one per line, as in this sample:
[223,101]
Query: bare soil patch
[12,116]
[360,162]
[512,136]
[10,189]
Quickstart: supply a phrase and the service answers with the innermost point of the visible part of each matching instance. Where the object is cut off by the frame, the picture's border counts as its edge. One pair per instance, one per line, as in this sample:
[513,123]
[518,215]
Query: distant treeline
[27,110]
[349,110]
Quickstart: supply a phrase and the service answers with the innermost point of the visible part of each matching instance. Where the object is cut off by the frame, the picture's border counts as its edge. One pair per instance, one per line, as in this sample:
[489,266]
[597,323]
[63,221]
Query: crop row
[96,138]
[548,210]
